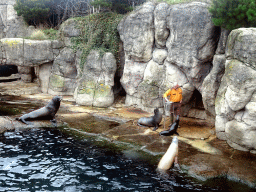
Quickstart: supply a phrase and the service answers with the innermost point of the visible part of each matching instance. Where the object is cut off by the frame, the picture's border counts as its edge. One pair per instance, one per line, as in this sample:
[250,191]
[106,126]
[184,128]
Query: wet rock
[205,166]
[8,123]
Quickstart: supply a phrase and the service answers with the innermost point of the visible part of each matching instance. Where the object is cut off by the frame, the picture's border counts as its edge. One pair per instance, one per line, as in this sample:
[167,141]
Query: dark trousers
[175,109]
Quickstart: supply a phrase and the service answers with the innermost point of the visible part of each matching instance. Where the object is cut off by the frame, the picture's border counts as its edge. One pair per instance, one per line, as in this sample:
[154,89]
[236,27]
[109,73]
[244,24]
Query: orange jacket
[175,94]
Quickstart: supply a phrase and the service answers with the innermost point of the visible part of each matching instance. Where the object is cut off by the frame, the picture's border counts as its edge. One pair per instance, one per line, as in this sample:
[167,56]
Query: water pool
[48,160]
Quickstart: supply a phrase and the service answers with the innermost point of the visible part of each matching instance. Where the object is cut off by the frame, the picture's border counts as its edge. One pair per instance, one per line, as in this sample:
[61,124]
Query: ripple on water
[46,160]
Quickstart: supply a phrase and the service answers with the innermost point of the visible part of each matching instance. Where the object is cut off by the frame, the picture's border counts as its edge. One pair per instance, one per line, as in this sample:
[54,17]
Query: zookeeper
[175,99]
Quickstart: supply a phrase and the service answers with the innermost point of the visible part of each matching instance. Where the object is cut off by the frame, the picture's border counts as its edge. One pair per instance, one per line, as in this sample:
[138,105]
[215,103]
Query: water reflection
[47,160]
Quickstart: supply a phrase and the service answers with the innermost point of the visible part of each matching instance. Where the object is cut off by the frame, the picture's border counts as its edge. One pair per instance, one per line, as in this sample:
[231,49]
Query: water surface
[48,160]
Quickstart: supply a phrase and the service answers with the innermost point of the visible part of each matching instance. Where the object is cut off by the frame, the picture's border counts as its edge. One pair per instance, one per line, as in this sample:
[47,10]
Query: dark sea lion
[47,112]
[152,121]
[173,128]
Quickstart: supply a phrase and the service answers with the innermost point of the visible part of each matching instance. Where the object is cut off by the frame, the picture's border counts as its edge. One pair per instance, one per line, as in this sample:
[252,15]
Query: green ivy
[233,14]
[99,32]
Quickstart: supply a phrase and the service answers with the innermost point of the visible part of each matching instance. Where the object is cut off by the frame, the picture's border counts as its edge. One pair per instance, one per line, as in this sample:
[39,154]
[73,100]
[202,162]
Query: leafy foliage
[232,14]
[51,33]
[33,11]
[119,6]
[99,32]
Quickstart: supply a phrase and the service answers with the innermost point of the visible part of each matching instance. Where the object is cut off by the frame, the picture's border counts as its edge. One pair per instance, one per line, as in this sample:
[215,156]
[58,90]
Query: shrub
[38,35]
[33,11]
[232,14]
[99,32]
[51,33]
[118,6]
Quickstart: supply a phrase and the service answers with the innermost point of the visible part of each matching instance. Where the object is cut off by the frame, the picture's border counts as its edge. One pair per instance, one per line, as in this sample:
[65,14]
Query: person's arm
[166,94]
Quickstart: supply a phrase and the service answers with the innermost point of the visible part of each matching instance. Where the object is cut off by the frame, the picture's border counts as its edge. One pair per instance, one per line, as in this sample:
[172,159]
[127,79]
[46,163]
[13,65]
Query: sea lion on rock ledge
[173,128]
[47,112]
[152,121]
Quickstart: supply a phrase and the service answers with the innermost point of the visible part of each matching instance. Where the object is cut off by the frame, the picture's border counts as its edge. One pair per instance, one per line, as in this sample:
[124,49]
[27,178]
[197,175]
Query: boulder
[159,55]
[241,46]
[161,32]
[37,52]
[11,25]
[184,44]
[212,82]
[13,50]
[29,53]
[192,41]
[44,74]
[137,33]
[132,76]
[235,100]
[95,87]
[69,29]
[62,80]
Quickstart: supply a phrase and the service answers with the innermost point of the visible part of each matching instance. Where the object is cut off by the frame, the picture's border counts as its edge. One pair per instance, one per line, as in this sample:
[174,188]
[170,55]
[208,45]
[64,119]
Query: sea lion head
[175,140]
[156,110]
[54,104]
[57,99]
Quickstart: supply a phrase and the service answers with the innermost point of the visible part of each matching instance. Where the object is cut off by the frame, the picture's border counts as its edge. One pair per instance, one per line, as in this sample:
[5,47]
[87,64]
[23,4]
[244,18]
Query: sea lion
[47,112]
[170,157]
[173,128]
[152,121]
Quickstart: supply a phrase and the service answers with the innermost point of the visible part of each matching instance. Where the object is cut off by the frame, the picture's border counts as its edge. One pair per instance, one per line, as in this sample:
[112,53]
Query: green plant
[171,2]
[118,6]
[51,33]
[101,3]
[232,14]
[99,32]
[38,35]
[33,11]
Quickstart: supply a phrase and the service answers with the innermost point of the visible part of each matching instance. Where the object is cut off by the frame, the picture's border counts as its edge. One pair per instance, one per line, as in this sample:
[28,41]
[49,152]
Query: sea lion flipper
[54,122]
[26,122]
[141,125]
[177,133]
[156,127]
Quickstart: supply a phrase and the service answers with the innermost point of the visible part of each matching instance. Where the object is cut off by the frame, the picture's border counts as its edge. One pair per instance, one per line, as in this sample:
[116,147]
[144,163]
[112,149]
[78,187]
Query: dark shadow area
[8,70]
[196,100]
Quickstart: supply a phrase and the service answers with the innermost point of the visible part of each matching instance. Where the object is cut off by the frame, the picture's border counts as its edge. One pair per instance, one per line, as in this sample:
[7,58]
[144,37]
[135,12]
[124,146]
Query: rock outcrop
[95,88]
[174,43]
[236,99]
[11,25]
[212,81]
[29,54]
[63,77]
